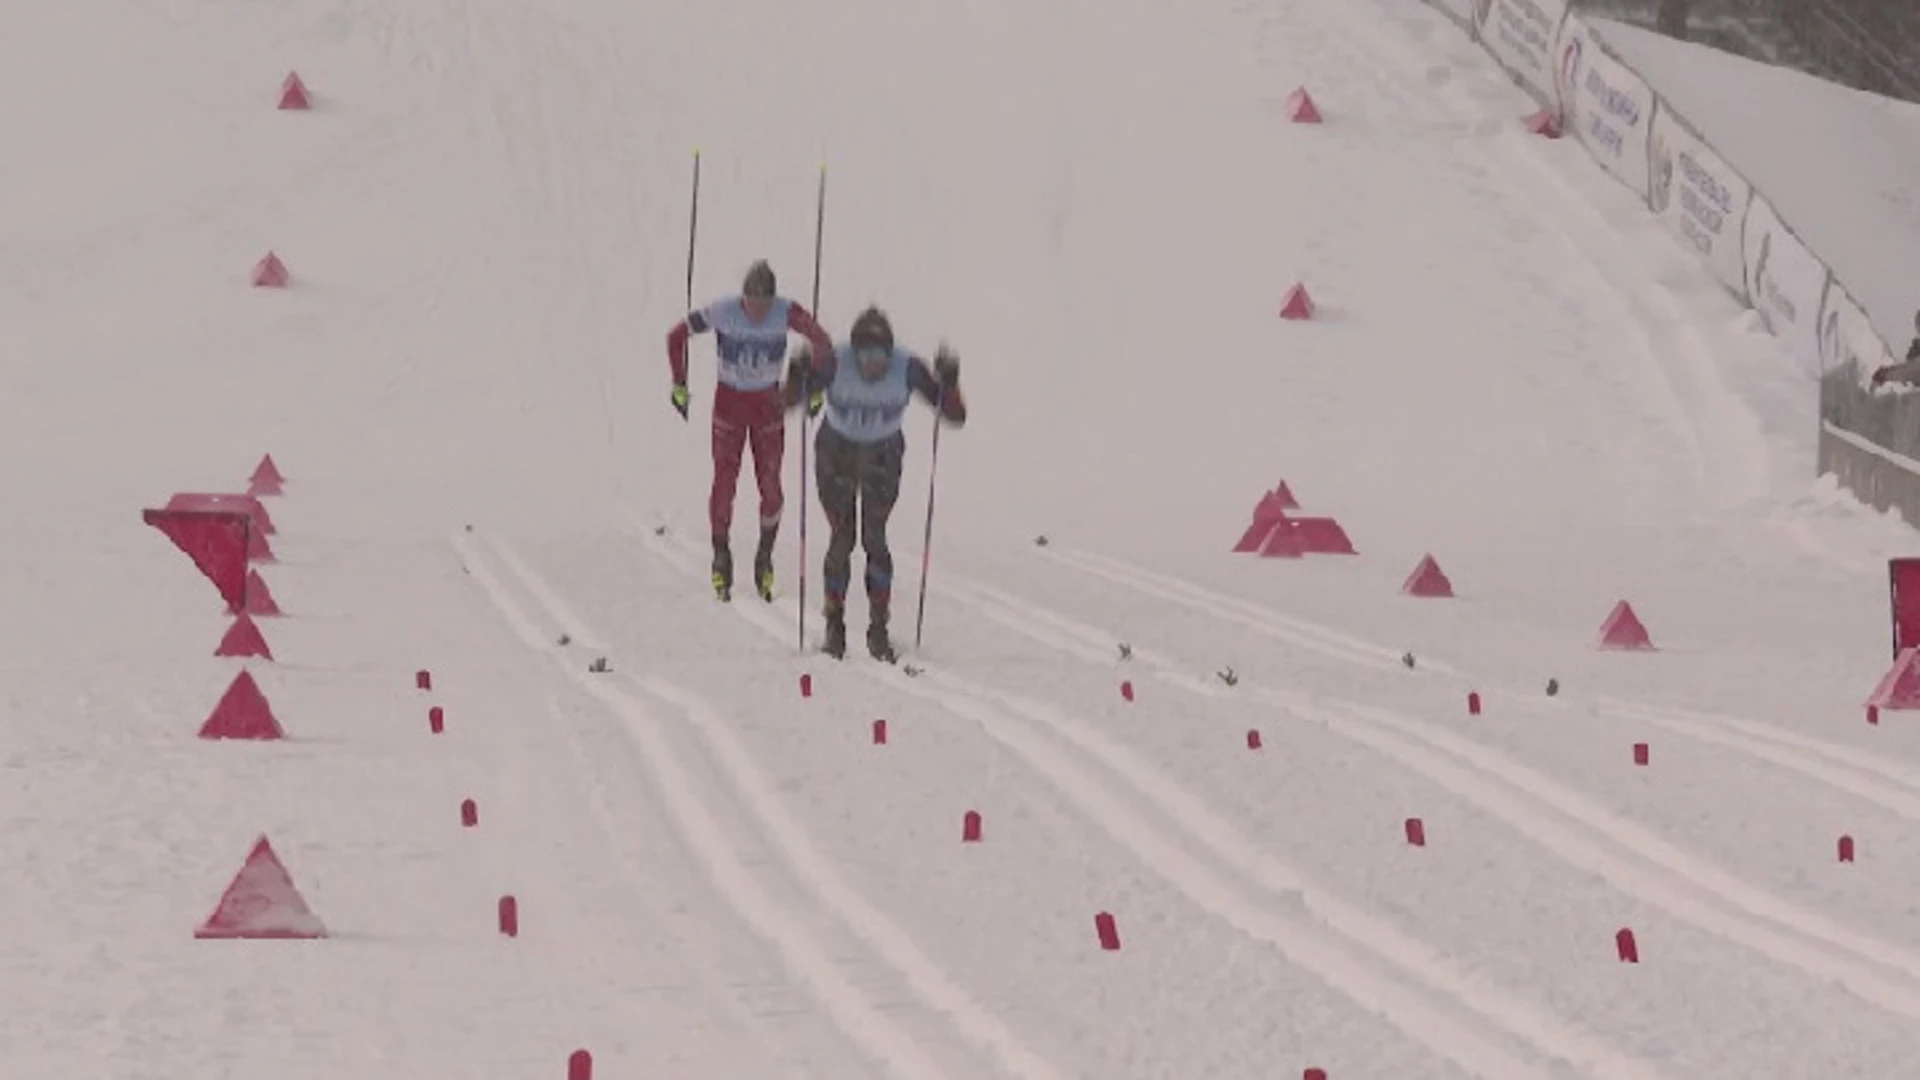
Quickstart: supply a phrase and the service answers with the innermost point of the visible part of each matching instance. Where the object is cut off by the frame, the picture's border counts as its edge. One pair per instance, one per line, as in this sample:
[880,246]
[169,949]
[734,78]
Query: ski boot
[877,641]
[835,644]
[763,566]
[722,571]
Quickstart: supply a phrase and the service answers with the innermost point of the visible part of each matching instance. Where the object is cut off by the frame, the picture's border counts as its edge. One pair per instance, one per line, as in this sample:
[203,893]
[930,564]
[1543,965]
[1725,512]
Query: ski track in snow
[1745,909]
[863,1019]
[1747,736]
[1291,916]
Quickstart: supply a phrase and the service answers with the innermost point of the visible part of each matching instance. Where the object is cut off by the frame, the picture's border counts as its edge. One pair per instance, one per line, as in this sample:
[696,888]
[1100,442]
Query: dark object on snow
[659,530]
[1126,651]
[910,669]
[599,665]
[1553,687]
[1228,677]
[1407,659]
[1041,540]
[566,639]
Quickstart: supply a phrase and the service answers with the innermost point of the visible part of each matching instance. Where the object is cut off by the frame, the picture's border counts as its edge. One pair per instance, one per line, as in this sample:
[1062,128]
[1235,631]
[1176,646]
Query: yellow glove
[680,399]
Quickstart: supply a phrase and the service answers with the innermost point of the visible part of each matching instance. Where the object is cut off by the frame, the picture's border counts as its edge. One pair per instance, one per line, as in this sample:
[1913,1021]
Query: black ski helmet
[759,280]
[871,329]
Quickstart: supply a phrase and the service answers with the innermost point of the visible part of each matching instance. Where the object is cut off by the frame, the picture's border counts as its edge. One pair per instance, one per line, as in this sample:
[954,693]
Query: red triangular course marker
[243,639]
[1297,305]
[1301,109]
[1283,497]
[1322,536]
[1544,124]
[293,92]
[216,541]
[270,272]
[243,713]
[266,479]
[259,598]
[262,902]
[1427,579]
[1623,630]
[1282,542]
[1269,516]
[1899,688]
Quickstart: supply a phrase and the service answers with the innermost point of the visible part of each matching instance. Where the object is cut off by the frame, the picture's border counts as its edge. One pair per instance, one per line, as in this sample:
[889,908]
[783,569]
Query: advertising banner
[1699,196]
[1603,104]
[1521,34]
[1787,285]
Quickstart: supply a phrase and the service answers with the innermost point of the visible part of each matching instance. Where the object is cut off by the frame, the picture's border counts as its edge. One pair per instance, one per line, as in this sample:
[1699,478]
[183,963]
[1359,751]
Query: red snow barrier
[1126,689]
[1253,740]
[1301,109]
[1416,832]
[1846,849]
[259,525]
[262,902]
[1283,497]
[266,478]
[1314,1074]
[1623,630]
[216,541]
[1626,946]
[580,1065]
[259,599]
[293,92]
[270,272]
[1473,703]
[806,685]
[1899,688]
[1427,580]
[879,733]
[423,680]
[242,713]
[1297,304]
[970,827]
[1109,934]
[243,639]
[1322,536]
[436,720]
[509,916]
[469,813]
[1641,753]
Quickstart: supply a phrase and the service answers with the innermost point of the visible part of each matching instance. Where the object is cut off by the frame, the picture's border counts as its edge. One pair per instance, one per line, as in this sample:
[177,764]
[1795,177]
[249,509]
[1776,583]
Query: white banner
[1786,284]
[1521,35]
[1699,196]
[1605,105]
[1846,334]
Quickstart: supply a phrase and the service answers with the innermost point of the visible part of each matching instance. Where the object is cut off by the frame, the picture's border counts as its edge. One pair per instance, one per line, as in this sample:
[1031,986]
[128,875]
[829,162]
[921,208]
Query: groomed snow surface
[1100,205]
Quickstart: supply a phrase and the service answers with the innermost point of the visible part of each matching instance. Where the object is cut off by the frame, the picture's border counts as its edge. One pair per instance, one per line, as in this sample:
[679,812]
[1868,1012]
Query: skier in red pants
[749,407]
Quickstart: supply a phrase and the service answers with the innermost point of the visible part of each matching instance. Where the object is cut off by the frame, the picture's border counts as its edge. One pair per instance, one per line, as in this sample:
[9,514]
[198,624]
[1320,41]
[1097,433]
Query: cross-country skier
[865,385]
[748,407]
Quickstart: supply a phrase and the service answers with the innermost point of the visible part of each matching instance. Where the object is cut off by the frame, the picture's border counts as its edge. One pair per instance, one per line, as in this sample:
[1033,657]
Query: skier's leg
[839,489]
[769,442]
[729,443]
[879,490]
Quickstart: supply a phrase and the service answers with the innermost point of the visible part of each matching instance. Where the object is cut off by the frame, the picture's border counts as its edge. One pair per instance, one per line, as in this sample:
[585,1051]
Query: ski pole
[693,227]
[806,418]
[926,545]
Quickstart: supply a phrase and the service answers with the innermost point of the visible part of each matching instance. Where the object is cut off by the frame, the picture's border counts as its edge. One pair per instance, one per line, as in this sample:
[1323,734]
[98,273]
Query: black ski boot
[722,571]
[836,643]
[763,566]
[877,641]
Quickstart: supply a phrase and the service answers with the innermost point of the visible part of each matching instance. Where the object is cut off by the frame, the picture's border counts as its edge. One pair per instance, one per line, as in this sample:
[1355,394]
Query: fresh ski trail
[861,1016]
[1016,722]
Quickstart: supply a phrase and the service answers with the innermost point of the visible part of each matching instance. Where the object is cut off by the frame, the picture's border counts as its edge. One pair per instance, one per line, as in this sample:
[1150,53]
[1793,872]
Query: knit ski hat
[759,280]
[872,330]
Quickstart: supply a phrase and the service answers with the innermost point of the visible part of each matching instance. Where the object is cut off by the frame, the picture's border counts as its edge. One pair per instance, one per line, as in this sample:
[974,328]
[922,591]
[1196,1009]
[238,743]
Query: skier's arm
[802,322]
[941,390]
[695,323]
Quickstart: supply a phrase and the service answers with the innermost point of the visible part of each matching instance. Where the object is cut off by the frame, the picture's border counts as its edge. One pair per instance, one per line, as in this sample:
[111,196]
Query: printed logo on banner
[1769,292]
[1570,56]
[1660,181]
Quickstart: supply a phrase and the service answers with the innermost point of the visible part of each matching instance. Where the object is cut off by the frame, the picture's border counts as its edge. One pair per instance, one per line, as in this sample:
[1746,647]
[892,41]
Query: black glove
[946,368]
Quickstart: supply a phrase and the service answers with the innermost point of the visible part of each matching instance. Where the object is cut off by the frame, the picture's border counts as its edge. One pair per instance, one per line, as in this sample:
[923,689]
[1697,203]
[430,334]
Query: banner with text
[1698,195]
[1604,104]
[1521,35]
[1847,335]
[1786,284]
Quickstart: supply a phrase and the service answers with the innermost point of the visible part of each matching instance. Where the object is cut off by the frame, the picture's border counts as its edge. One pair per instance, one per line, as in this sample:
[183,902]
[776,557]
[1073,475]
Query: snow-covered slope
[1100,206]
